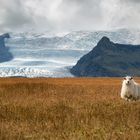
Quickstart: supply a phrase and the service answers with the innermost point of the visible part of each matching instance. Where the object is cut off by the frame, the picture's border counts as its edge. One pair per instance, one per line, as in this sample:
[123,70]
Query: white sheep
[130,89]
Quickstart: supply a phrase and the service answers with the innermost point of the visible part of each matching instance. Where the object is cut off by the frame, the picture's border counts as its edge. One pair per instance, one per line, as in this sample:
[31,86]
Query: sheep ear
[124,78]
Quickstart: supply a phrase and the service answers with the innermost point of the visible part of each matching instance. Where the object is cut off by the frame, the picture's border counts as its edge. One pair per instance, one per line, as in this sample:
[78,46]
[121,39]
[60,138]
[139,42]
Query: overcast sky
[68,15]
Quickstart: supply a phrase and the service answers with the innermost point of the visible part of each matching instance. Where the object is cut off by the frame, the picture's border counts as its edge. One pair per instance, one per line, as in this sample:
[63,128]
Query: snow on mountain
[49,54]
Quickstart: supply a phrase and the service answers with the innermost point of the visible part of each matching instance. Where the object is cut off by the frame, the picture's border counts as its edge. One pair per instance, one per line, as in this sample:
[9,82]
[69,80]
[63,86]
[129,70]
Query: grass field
[66,109]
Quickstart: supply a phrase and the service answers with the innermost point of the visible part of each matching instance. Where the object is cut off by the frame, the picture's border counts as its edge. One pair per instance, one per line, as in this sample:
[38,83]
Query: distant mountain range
[48,54]
[76,40]
[109,59]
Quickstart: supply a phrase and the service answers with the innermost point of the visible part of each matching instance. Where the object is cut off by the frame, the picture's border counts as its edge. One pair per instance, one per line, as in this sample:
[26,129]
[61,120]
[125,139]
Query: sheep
[130,89]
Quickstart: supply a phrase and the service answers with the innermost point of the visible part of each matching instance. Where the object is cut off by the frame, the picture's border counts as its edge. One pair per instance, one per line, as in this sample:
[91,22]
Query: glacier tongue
[31,72]
[24,72]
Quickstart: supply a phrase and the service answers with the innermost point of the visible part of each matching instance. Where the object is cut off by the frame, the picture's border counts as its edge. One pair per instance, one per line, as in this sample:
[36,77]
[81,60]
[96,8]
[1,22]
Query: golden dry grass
[66,109]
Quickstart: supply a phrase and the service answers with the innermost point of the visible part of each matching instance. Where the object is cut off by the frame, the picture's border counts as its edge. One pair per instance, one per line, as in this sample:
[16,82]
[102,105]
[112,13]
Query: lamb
[130,89]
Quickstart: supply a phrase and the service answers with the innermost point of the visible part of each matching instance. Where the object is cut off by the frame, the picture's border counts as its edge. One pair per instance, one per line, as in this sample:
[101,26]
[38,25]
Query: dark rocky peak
[104,42]
[104,39]
[2,39]
[6,35]
[5,55]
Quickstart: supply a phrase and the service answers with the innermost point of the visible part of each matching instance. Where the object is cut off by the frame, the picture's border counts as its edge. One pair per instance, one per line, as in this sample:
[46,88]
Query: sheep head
[128,80]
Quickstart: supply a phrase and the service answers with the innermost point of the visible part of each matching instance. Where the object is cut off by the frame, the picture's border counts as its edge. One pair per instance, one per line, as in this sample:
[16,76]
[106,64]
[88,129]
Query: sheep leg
[128,98]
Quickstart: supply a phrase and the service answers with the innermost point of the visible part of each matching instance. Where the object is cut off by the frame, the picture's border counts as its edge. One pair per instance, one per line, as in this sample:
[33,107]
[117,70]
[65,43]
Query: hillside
[5,55]
[109,59]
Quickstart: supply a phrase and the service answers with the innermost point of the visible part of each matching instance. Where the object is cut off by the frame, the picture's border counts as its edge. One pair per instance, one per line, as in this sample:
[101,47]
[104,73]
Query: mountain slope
[5,55]
[109,59]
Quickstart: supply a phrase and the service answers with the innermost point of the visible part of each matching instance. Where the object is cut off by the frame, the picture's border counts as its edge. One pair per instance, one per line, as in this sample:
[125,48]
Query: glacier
[53,54]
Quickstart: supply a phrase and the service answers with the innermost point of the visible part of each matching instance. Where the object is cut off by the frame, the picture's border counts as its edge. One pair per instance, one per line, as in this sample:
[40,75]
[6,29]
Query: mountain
[76,40]
[109,59]
[50,54]
[5,55]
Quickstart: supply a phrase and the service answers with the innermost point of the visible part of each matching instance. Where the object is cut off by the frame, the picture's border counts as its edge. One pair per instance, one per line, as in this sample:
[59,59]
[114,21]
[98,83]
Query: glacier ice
[50,55]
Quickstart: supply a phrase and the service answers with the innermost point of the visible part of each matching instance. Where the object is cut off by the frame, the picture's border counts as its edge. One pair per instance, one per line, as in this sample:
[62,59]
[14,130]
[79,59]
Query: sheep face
[128,80]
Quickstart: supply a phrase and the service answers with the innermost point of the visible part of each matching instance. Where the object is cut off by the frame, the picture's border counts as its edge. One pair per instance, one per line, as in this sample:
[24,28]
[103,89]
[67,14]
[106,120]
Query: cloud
[13,14]
[127,14]
[87,13]
[132,1]
[69,14]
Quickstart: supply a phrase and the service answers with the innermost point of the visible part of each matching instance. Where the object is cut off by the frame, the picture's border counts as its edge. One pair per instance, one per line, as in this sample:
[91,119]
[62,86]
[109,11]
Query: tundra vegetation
[66,109]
